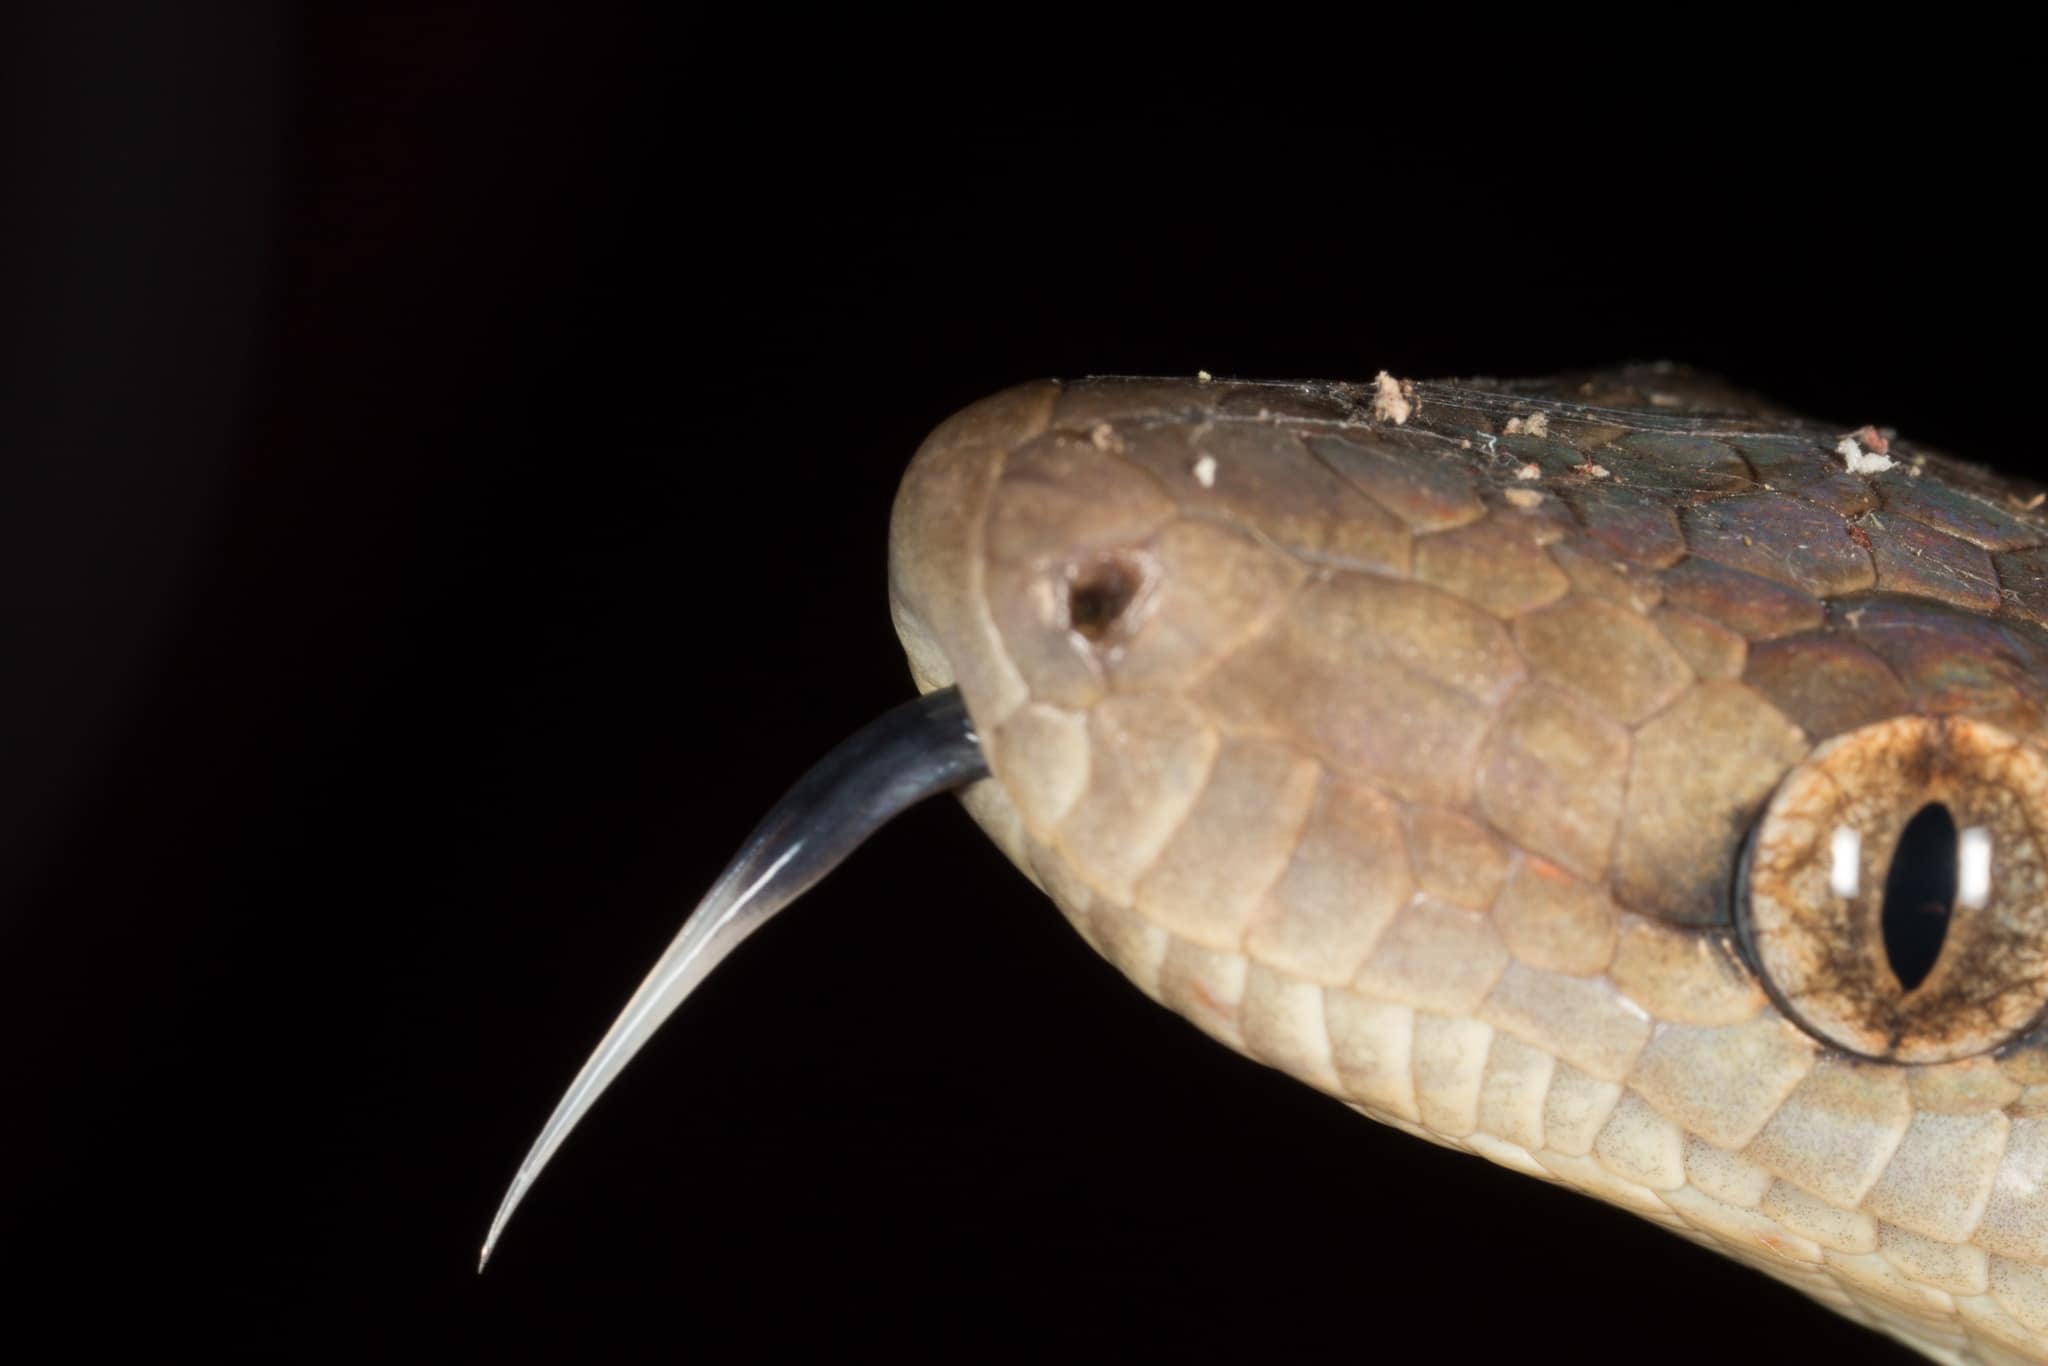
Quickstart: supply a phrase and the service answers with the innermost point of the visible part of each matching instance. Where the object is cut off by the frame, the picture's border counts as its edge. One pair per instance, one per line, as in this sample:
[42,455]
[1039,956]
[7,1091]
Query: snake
[1612,776]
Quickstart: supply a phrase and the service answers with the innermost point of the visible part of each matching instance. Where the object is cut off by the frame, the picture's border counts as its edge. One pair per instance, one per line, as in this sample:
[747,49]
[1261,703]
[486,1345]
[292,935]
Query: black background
[447,462]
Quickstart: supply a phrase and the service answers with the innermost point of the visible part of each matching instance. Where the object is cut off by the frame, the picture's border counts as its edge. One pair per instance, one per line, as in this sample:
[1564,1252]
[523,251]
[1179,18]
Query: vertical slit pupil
[1920,894]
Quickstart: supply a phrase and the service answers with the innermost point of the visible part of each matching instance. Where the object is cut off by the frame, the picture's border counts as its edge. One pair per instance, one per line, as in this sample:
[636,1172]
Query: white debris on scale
[1859,461]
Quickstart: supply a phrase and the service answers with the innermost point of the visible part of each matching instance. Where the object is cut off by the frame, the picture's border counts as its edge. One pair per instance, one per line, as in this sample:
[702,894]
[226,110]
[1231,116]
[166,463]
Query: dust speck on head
[1529,471]
[1857,461]
[1205,471]
[1535,424]
[1393,399]
[1104,438]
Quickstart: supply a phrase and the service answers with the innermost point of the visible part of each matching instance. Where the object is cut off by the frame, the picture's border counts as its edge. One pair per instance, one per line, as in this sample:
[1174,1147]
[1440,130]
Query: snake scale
[1610,776]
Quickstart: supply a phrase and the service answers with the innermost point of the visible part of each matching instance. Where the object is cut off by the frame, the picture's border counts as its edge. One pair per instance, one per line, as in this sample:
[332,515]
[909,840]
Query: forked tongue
[905,755]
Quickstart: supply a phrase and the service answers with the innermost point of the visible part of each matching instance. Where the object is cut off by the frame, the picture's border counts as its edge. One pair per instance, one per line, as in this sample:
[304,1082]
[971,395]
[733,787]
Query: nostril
[1101,592]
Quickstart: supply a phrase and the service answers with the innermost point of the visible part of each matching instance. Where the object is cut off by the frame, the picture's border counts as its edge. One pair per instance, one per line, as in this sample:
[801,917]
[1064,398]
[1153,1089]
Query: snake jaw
[909,753]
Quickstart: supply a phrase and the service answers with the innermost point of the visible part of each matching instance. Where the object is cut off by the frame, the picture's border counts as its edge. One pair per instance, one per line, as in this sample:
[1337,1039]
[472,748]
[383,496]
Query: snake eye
[1896,890]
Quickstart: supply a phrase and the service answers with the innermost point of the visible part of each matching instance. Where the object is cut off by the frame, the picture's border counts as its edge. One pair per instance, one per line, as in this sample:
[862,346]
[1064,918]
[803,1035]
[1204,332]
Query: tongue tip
[916,750]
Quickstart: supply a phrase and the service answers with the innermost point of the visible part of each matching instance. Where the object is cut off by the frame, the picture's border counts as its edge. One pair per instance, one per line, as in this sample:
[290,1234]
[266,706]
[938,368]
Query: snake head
[1607,777]
[1487,760]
